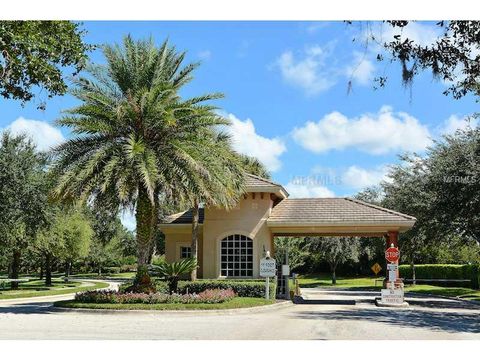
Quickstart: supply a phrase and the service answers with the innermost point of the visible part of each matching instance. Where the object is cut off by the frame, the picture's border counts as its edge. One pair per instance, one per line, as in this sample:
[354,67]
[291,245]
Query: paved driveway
[427,318]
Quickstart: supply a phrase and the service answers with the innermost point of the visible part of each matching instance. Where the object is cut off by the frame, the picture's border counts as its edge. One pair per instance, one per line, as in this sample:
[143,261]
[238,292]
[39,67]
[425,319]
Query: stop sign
[392,254]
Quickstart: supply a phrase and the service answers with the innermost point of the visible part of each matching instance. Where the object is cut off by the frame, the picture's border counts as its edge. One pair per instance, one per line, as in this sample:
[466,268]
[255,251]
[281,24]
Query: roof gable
[255,183]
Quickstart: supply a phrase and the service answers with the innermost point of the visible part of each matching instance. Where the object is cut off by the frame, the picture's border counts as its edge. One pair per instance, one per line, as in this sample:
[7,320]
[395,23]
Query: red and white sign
[392,254]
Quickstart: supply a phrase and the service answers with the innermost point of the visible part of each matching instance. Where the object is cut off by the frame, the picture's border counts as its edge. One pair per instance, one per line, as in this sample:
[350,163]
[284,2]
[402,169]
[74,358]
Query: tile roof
[257,184]
[184,217]
[333,211]
[253,180]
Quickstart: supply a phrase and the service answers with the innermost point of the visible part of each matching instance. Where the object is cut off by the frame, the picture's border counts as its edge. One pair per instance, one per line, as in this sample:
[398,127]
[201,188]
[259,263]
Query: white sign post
[268,269]
[392,272]
[392,296]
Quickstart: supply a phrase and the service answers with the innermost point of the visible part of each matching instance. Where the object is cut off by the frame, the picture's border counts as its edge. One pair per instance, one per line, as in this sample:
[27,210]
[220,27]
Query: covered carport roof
[335,216]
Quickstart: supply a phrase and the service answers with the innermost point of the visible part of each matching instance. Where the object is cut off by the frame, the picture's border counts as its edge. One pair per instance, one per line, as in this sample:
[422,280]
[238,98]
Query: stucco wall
[248,218]
[181,236]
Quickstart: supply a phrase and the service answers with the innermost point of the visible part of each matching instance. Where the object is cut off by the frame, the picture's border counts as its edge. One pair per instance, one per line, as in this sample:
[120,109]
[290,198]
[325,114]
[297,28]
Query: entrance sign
[392,296]
[376,268]
[392,254]
[268,267]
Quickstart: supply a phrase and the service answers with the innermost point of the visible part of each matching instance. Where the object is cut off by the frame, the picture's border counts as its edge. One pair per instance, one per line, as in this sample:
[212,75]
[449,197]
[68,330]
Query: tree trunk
[145,218]
[68,268]
[334,275]
[414,276]
[41,272]
[15,269]
[173,285]
[48,270]
[194,246]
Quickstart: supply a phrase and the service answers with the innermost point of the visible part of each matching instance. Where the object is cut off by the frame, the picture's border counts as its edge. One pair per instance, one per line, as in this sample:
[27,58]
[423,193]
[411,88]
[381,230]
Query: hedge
[243,288]
[443,271]
[214,296]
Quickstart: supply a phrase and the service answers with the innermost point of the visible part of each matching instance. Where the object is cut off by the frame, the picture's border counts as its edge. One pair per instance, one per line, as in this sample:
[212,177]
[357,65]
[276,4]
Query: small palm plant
[172,271]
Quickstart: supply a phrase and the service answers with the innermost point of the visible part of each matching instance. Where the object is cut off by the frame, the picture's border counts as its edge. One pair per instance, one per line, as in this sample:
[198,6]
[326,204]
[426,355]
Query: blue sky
[286,94]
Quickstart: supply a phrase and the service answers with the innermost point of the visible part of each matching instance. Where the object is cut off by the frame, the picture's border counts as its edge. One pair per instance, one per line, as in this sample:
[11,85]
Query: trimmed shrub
[212,296]
[243,288]
[112,269]
[128,268]
[444,272]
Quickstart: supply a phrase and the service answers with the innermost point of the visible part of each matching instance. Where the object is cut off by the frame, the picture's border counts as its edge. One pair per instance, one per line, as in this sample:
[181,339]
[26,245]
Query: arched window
[237,256]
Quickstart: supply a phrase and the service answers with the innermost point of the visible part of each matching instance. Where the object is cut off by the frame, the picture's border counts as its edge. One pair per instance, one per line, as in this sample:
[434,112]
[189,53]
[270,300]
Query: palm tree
[136,141]
[253,166]
[172,271]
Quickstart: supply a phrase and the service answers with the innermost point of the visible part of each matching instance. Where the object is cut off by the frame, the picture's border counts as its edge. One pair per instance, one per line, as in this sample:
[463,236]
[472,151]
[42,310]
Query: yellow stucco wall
[248,218]
[181,236]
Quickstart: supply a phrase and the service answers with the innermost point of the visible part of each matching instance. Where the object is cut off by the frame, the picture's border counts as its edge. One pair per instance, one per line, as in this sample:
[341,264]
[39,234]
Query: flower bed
[211,296]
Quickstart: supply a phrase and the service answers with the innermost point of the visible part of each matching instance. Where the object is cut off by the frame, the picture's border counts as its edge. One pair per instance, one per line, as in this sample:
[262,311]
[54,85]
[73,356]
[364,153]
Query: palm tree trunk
[145,218]
[194,246]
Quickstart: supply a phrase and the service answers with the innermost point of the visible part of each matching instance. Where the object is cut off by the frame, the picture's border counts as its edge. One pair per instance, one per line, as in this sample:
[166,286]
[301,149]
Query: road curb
[426,295]
[280,304]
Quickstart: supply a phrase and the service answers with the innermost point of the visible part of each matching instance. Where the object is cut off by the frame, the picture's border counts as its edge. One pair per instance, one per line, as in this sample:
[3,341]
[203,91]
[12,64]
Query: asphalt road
[426,318]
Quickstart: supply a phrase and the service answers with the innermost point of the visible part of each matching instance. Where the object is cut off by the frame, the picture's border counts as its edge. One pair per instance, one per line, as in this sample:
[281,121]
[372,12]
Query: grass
[462,293]
[125,275]
[59,287]
[368,283]
[236,303]
[315,280]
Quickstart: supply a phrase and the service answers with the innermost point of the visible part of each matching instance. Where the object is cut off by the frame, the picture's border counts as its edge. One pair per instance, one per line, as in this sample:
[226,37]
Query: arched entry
[236,256]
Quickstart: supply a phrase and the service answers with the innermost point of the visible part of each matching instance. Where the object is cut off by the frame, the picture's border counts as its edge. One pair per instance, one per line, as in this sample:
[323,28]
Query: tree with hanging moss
[452,56]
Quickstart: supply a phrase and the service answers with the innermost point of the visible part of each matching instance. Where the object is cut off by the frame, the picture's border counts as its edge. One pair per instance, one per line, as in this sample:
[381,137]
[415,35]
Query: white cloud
[423,34]
[313,27]
[246,141]
[205,54]
[358,178]
[361,69]
[307,191]
[313,73]
[455,122]
[375,134]
[42,133]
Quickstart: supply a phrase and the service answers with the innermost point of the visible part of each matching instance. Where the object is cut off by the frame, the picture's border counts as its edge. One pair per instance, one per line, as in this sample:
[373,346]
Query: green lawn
[236,303]
[368,283]
[314,280]
[125,275]
[59,287]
